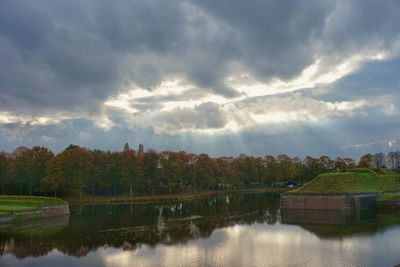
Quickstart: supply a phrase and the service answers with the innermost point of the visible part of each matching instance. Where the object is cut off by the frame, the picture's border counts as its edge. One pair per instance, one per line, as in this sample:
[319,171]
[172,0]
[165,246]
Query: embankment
[169,197]
[20,208]
[346,190]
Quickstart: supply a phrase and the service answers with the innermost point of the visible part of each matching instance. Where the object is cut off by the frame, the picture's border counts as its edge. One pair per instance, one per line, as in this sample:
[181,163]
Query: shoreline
[167,197]
[19,208]
[46,211]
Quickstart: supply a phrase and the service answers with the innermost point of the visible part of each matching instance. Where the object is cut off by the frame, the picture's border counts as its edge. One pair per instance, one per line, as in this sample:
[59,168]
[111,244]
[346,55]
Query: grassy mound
[9,204]
[362,171]
[387,172]
[351,181]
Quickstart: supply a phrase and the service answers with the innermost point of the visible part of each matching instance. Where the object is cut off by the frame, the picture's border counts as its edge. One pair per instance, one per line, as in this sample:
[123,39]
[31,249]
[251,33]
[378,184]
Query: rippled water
[230,230]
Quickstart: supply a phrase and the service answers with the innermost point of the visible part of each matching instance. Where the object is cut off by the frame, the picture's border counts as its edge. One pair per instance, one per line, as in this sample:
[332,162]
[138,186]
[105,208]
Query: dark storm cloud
[65,58]
[48,64]
[73,55]
[275,38]
[360,24]
[67,55]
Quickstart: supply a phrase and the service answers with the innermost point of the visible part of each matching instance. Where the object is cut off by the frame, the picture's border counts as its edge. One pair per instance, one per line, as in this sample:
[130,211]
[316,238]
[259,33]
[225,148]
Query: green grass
[9,204]
[362,171]
[387,172]
[351,181]
[43,200]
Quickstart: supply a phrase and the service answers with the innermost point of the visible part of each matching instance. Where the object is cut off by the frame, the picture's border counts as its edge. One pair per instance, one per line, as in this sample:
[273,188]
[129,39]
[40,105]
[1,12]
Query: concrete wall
[327,202]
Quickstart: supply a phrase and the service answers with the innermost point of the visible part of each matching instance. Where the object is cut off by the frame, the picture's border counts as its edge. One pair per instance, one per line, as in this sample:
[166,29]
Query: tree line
[79,170]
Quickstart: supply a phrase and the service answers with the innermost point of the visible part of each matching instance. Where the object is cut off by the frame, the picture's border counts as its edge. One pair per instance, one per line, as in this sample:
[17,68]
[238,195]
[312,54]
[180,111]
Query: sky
[220,77]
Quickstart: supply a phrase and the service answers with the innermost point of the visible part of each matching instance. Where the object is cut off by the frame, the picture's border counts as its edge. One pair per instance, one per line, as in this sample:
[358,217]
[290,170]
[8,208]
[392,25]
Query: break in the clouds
[224,77]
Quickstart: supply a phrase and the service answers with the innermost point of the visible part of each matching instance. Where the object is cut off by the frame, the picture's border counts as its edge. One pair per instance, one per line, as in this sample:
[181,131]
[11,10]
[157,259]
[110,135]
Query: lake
[227,230]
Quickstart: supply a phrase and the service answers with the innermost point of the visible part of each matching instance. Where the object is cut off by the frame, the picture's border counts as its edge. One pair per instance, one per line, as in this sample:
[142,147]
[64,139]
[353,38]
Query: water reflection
[38,226]
[234,230]
[129,225]
[330,217]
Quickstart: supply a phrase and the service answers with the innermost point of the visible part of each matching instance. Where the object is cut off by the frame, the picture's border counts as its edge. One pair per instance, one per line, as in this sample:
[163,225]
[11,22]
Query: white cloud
[281,110]
[389,109]
[8,117]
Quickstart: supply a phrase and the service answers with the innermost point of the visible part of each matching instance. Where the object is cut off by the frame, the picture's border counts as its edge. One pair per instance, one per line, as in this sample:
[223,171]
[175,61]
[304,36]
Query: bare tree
[379,160]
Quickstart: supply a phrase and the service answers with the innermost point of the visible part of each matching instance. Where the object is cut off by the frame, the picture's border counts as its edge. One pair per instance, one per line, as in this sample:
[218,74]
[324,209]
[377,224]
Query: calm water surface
[228,230]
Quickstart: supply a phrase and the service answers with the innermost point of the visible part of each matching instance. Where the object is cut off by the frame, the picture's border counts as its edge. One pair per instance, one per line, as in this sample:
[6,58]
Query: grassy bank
[352,181]
[10,204]
[167,198]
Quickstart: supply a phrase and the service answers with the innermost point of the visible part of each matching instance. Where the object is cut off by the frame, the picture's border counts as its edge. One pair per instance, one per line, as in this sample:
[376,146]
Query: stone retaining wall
[327,202]
[50,210]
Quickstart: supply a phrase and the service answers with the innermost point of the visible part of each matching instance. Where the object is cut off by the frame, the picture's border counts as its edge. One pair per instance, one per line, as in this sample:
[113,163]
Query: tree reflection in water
[128,226]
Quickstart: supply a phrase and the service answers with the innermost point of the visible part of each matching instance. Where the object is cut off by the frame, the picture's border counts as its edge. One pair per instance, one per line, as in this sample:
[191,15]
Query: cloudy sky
[222,77]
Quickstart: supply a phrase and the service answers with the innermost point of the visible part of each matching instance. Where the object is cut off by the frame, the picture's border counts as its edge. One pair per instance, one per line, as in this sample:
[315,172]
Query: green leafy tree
[53,181]
[272,169]
[287,168]
[4,164]
[151,169]
[98,178]
[203,172]
[22,168]
[113,172]
[41,156]
[76,168]
[224,172]
[131,169]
